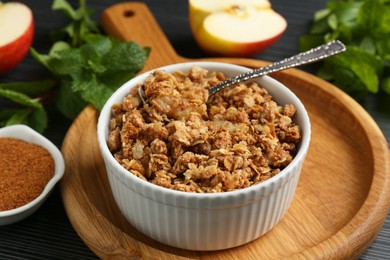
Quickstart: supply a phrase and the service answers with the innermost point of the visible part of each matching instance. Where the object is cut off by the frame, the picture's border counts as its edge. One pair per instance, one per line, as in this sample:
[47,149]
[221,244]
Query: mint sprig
[80,26]
[364,27]
[92,72]
[86,67]
[29,111]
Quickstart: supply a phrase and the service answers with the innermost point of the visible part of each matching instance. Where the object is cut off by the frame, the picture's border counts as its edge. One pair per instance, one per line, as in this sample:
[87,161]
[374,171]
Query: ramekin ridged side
[204,222]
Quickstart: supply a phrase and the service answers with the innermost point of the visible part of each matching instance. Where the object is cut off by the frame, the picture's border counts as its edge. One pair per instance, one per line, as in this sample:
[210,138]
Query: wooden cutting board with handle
[342,197]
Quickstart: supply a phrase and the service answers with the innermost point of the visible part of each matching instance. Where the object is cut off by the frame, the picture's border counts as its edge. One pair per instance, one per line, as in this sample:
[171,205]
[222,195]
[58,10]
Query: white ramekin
[204,221]
[27,134]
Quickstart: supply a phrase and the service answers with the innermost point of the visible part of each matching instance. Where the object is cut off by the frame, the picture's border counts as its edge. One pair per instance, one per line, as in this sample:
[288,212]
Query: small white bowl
[197,221]
[27,134]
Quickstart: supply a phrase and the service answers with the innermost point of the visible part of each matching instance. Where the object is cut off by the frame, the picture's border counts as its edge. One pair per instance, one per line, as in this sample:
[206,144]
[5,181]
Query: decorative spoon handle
[312,55]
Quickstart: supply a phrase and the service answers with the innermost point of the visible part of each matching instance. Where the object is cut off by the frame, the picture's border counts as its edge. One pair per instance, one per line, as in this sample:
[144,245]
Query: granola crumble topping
[180,141]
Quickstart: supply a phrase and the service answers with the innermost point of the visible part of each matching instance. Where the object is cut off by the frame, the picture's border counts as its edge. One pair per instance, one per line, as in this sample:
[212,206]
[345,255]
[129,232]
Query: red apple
[235,28]
[16,34]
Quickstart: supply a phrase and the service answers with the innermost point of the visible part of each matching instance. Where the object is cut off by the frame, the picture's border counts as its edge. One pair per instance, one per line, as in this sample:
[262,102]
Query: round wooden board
[340,204]
[341,200]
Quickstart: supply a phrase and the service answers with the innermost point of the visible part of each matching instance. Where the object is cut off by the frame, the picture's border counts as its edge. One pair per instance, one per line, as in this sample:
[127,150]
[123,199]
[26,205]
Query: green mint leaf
[83,80]
[65,62]
[11,117]
[19,116]
[106,64]
[346,11]
[5,114]
[91,89]
[321,26]
[374,17]
[386,85]
[71,31]
[68,102]
[57,47]
[93,53]
[93,37]
[368,44]
[345,79]
[355,64]
[345,33]
[98,48]
[80,60]
[97,95]
[65,7]
[41,58]
[332,21]
[383,48]
[126,56]
[38,119]
[321,14]
[116,79]
[31,87]
[94,89]
[45,59]
[19,98]
[34,115]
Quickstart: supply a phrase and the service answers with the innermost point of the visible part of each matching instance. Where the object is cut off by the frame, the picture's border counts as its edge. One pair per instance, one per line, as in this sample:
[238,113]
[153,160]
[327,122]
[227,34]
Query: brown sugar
[25,169]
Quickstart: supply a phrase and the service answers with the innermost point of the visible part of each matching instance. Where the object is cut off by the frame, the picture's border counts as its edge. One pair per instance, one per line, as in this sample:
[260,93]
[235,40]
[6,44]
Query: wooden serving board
[342,197]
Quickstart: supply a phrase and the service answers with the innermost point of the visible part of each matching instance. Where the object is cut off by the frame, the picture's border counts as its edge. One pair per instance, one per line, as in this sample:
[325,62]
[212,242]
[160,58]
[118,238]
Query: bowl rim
[105,115]
[27,134]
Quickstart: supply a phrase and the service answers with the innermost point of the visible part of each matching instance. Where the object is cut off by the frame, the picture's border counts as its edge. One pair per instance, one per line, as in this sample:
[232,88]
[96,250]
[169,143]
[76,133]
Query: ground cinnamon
[25,169]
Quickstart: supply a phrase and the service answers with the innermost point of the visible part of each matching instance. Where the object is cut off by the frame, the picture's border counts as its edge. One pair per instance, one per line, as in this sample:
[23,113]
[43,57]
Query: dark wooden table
[48,234]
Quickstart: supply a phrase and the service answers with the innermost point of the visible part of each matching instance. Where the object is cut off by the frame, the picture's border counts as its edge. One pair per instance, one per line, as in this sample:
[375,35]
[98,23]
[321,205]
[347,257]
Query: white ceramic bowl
[27,134]
[204,221]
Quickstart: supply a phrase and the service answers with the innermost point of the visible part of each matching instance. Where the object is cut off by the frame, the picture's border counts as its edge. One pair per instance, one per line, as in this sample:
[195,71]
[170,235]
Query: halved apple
[16,34]
[235,27]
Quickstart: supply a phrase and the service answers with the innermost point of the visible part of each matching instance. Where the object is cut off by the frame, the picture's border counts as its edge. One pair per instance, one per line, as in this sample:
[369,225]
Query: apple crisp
[181,141]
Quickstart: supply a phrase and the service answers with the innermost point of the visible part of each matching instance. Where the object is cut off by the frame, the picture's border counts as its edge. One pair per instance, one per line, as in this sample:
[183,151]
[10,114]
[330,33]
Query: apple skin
[218,47]
[14,52]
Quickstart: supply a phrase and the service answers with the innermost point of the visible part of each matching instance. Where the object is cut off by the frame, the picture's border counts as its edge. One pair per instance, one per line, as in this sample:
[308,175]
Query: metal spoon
[310,56]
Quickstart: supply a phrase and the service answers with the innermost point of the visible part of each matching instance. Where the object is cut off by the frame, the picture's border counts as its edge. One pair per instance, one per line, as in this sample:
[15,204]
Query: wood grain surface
[341,200]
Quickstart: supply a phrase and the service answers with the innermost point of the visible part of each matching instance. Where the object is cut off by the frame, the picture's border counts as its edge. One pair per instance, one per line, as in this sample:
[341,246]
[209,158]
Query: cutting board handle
[133,21]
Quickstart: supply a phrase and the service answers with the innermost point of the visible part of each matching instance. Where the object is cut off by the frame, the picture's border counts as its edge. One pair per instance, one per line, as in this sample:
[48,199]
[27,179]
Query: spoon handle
[312,55]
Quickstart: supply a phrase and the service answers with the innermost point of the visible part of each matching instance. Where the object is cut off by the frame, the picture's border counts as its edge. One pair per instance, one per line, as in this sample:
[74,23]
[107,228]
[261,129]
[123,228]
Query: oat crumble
[239,138]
